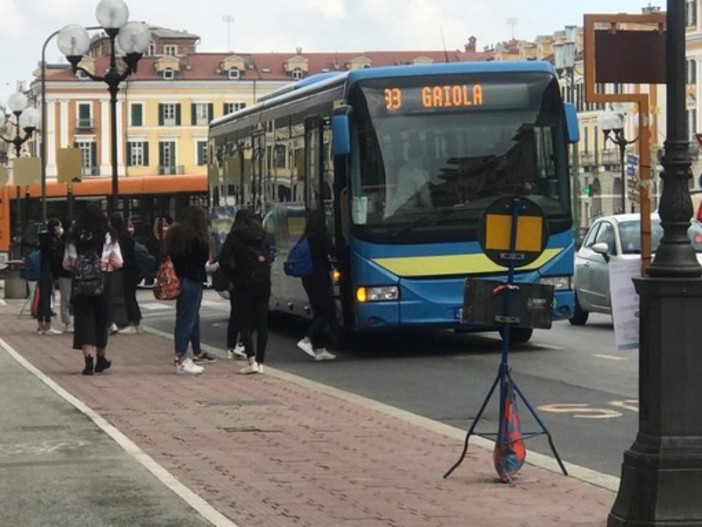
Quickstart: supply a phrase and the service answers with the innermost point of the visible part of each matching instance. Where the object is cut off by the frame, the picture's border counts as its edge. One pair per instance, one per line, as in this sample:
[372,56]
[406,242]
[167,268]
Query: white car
[613,238]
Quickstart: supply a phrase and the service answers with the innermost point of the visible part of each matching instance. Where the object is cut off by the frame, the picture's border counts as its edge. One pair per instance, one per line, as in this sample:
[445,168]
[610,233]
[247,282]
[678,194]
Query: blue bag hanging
[299,261]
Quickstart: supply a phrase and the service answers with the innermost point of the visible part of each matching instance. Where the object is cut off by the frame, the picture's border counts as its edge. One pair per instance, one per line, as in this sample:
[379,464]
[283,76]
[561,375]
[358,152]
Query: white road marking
[608,357]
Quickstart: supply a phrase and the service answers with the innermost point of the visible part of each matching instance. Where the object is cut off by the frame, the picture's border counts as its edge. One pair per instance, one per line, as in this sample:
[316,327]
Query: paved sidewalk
[276,450]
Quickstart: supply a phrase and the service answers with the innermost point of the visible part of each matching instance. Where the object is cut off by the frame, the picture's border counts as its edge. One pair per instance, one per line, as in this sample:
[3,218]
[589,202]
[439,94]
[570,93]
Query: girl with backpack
[92,252]
[49,273]
[319,289]
[251,286]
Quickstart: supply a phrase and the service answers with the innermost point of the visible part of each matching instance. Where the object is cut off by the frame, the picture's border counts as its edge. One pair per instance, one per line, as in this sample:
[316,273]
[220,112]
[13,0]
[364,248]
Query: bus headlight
[377,294]
[559,283]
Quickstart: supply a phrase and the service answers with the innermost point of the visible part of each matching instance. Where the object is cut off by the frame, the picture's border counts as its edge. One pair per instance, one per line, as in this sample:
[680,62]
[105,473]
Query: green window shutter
[210,112]
[178,114]
[160,114]
[161,156]
[137,115]
[93,153]
[193,114]
[146,153]
[129,154]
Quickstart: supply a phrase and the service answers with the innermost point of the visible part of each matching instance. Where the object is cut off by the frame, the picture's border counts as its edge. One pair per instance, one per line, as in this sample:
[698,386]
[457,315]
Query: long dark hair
[316,225]
[247,219]
[90,228]
[191,229]
[118,224]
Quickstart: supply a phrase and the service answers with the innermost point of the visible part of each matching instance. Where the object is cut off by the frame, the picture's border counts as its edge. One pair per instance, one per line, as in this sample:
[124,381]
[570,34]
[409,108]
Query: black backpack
[256,268]
[87,280]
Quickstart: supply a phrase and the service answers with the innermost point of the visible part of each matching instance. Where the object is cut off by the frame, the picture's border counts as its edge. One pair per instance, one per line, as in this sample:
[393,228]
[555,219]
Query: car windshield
[630,235]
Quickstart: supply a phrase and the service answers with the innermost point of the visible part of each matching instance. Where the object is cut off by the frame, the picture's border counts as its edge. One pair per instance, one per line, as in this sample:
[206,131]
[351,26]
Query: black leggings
[252,314]
[46,289]
[321,296]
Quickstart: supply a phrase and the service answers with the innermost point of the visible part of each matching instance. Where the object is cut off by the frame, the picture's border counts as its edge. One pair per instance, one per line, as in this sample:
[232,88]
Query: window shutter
[146,153]
[160,114]
[161,156]
[137,117]
[178,114]
[210,112]
[93,154]
[129,153]
[193,114]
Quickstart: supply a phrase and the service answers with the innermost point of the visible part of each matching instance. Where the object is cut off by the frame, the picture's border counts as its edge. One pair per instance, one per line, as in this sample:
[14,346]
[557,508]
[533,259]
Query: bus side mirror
[341,131]
[572,123]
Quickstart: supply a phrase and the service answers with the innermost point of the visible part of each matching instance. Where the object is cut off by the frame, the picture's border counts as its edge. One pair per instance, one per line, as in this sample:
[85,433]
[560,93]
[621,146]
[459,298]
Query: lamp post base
[661,483]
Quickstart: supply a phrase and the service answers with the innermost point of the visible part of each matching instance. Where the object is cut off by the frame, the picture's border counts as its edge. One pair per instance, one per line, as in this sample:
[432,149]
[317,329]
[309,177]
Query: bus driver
[412,184]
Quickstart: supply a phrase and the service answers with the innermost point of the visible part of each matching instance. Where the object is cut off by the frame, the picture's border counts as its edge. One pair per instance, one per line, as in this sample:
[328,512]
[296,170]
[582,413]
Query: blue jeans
[187,325]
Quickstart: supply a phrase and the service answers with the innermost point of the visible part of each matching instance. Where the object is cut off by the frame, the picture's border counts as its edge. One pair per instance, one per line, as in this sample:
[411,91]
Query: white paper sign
[625,302]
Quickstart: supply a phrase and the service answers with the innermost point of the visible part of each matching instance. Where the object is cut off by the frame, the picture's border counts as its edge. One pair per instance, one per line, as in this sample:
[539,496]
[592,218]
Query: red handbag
[167,284]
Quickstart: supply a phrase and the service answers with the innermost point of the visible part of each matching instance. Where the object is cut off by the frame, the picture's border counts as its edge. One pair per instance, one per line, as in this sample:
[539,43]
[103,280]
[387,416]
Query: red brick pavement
[265,450]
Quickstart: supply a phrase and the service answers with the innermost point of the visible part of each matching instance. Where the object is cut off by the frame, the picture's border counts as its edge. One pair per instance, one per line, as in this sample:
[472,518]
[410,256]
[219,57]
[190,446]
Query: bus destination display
[451,97]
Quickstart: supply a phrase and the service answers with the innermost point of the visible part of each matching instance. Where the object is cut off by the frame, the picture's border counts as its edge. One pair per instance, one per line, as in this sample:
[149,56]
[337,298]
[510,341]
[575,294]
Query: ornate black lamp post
[27,120]
[132,39]
[612,125]
[661,482]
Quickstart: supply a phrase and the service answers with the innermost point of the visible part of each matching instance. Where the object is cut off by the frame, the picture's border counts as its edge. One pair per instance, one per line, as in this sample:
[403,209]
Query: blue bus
[403,159]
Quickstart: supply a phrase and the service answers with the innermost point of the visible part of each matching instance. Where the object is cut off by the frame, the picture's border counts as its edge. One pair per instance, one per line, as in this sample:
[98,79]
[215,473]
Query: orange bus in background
[149,201]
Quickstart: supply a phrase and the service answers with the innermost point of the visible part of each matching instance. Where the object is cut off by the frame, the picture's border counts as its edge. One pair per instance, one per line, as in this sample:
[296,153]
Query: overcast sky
[313,25]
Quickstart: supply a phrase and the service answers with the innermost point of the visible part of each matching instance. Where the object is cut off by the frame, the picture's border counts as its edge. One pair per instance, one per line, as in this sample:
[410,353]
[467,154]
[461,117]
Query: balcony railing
[610,156]
[84,124]
[587,159]
[91,171]
[175,170]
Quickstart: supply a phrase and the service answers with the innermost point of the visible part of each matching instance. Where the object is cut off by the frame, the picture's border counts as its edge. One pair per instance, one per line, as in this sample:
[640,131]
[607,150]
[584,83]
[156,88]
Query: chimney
[471,46]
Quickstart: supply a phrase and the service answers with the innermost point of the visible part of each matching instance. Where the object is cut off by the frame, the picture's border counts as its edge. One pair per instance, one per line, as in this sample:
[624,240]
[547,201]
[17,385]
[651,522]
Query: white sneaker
[251,368]
[306,347]
[113,329]
[139,329]
[260,368]
[68,328]
[188,367]
[128,330]
[324,355]
[52,331]
[236,353]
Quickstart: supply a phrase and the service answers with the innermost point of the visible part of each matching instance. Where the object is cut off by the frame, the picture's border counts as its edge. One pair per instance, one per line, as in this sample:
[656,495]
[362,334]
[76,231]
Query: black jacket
[248,250]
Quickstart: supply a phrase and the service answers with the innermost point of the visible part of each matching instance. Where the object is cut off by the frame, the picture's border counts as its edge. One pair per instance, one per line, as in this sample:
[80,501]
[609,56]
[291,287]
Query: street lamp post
[27,120]
[661,477]
[564,59]
[132,38]
[612,124]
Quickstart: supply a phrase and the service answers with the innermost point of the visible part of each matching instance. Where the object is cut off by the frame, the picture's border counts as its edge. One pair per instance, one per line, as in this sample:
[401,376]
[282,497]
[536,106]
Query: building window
[85,121]
[167,157]
[231,107]
[136,114]
[691,71]
[234,73]
[168,74]
[201,113]
[88,150]
[691,13]
[169,114]
[151,50]
[297,74]
[280,154]
[170,50]
[201,152]
[137,153]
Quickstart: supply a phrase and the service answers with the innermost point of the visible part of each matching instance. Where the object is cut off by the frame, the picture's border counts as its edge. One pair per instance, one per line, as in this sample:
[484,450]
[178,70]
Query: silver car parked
[613,238]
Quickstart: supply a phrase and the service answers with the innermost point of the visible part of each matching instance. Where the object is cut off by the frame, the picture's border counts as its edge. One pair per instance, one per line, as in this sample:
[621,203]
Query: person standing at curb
[130,274]
[91,236]
[319,289]
[251,286]
[64,283]
[187,244]
[235,350]
[48,250]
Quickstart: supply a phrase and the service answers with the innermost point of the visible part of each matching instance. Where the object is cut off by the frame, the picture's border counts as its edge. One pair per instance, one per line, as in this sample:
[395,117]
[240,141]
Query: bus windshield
[434,152]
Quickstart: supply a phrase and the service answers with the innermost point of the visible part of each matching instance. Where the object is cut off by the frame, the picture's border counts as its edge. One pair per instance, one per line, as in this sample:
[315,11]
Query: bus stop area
[139,445]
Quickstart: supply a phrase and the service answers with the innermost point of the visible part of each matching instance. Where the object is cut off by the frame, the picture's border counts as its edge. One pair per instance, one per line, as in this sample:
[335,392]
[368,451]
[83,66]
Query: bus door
[314,163]
[258,159]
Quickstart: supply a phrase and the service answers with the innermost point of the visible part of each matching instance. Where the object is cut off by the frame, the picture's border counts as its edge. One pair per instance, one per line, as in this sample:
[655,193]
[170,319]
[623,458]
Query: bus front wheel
[518,335]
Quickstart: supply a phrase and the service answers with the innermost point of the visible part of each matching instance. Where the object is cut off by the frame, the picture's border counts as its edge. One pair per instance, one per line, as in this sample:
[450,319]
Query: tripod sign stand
[513,234]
